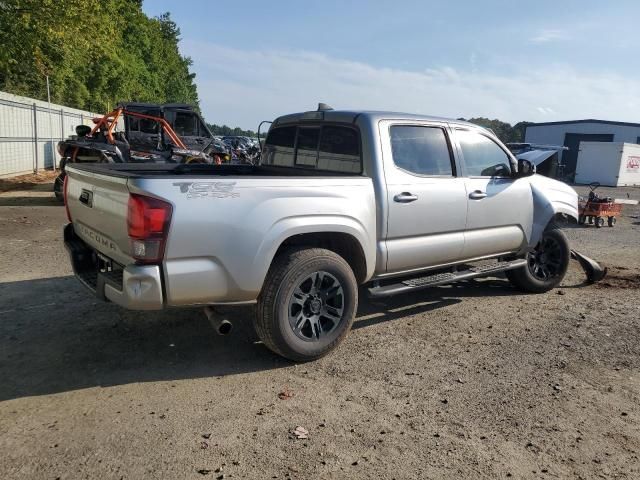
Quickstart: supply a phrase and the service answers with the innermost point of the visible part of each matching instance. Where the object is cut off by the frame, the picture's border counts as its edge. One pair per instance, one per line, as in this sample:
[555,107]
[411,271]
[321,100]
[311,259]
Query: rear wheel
[307,304]
[546,265]
[611,221]
[599,222]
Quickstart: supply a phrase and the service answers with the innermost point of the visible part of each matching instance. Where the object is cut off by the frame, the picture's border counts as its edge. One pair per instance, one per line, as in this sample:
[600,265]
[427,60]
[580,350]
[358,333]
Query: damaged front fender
[551,199]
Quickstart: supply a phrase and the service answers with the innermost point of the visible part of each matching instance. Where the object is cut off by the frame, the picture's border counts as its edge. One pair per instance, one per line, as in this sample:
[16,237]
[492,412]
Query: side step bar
[443,278]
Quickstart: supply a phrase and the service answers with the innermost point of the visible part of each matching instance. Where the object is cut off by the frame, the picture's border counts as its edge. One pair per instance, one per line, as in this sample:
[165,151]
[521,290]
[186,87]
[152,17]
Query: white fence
[30,132]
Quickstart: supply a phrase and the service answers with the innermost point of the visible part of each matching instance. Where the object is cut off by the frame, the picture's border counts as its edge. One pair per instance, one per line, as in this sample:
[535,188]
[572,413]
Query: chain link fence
[30,131]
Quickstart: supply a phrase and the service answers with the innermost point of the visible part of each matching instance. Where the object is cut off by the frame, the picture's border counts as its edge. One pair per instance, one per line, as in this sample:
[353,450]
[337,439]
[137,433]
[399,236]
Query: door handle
[405,197]
[477,195]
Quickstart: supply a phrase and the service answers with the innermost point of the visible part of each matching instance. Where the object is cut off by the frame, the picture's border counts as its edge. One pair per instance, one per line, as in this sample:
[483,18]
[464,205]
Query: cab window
[331,148]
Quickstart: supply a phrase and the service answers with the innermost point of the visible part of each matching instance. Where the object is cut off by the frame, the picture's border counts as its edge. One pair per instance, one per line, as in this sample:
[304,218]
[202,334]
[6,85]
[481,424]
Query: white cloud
[546,110]
[241,88]
[549,35]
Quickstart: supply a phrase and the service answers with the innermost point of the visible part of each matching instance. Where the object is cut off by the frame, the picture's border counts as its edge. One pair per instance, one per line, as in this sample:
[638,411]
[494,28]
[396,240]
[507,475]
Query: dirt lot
[468,381]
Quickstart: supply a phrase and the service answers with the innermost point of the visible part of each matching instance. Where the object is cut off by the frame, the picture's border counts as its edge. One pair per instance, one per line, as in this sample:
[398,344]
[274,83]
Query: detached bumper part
[136,287]
[592,269]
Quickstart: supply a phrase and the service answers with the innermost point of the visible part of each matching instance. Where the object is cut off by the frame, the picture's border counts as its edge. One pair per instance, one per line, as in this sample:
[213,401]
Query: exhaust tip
[225,327]
[219,324]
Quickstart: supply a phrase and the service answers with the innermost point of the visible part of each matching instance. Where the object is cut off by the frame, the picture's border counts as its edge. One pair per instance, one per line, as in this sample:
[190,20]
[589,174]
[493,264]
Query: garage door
[570,157]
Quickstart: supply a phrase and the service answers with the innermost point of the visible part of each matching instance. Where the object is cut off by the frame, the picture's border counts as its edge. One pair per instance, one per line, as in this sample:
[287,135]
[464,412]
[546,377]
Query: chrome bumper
[136,287]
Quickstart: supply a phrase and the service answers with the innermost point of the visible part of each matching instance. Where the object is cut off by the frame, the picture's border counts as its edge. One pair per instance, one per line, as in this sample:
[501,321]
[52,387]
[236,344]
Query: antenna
[323,107]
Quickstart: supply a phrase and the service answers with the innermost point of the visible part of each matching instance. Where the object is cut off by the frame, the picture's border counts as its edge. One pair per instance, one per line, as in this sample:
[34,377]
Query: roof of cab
[350,116]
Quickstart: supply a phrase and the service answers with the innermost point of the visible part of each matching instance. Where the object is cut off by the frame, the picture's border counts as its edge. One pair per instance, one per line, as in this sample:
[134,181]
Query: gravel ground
[467,381]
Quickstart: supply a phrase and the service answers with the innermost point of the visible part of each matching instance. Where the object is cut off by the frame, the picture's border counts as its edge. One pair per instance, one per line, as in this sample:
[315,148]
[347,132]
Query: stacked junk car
[144,133]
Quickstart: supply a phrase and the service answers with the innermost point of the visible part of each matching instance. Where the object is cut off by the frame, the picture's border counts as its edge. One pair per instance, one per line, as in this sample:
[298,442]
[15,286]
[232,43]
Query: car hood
[549,184]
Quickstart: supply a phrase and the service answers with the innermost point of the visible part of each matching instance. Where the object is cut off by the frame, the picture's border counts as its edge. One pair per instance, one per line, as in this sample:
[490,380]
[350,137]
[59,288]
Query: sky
[536,61]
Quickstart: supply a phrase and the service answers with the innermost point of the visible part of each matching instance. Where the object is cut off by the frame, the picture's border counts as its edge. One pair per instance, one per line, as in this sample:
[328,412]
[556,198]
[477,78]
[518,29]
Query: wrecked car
[393,202]
[142,133]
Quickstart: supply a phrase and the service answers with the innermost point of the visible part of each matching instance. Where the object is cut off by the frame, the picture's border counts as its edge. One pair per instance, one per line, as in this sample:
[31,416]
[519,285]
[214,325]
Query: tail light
[148,222]
[64,190]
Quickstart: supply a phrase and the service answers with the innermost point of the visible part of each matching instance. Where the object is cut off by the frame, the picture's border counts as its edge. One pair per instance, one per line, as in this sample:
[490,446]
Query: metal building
[571,133]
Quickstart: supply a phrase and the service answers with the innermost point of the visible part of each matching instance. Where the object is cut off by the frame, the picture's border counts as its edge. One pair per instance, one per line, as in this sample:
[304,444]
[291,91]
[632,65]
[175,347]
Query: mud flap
[591,268]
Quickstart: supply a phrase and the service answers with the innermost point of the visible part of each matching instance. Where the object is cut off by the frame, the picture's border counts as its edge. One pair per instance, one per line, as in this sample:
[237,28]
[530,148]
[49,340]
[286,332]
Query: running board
[444,278]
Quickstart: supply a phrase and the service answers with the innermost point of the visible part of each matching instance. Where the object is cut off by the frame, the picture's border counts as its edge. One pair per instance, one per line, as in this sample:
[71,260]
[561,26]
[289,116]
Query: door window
[482,156]
[186,124]
[421,150]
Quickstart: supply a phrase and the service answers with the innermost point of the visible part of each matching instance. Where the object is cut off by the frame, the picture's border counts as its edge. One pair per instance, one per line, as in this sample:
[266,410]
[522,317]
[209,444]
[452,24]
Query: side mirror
[526,168]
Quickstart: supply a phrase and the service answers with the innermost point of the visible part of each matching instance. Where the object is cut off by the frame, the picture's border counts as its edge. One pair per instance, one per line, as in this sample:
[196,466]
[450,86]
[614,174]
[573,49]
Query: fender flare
[288,227]
[546,209]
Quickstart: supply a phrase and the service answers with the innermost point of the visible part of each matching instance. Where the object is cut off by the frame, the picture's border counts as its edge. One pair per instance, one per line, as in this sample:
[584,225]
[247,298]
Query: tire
[599,222]
[546,265]
[582,219]
[290,298]
[611,221]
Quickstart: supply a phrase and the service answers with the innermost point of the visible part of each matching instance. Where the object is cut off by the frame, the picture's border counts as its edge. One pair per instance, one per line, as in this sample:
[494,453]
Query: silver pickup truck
[394,202]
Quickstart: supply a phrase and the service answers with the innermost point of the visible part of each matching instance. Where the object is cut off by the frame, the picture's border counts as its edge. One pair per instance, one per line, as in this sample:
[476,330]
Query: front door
[500,207]
[426,199]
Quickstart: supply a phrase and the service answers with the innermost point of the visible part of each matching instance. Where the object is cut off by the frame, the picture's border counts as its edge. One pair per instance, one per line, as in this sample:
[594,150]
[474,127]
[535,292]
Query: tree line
[503,130]
[95,53]
[225,131]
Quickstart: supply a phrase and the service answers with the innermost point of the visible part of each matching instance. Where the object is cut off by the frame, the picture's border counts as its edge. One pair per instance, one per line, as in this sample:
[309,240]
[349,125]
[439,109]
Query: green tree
[503,130]
[224,131]
[95,53]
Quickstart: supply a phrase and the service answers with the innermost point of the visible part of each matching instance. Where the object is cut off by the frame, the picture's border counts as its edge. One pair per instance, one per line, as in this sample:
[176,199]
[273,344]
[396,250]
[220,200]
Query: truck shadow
[55,337]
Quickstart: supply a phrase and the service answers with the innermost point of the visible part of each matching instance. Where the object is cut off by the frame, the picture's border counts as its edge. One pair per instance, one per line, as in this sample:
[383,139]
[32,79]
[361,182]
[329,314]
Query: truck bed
[226,223]
[140,170]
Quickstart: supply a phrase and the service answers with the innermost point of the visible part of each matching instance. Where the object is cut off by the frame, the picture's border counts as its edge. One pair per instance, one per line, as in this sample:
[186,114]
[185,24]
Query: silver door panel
[492,241]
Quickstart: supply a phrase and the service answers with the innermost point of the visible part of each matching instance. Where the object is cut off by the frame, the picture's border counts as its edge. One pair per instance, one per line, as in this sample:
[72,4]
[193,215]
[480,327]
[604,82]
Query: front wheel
[546,265]
[307,304]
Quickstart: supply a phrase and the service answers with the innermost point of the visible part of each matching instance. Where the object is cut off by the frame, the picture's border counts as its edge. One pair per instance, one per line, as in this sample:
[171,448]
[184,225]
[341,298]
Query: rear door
[426,197]
[500,207]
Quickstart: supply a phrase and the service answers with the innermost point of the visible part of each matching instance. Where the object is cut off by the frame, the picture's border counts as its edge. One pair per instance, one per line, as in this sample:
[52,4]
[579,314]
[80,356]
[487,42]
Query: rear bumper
[136,287]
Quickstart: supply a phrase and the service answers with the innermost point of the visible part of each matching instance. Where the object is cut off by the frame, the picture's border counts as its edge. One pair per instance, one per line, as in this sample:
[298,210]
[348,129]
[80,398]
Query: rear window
[331,148]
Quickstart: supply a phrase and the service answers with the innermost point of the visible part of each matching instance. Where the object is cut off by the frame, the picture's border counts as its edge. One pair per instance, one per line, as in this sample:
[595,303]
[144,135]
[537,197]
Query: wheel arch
[343,244]
[342,235]
[552,206]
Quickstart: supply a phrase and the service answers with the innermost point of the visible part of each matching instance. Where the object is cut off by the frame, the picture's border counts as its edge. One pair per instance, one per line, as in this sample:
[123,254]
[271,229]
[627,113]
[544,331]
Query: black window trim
[452,159]
[319,125]
[480,132]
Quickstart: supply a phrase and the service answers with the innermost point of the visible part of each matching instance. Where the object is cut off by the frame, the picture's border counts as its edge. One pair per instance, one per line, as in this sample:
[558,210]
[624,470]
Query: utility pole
[53,150]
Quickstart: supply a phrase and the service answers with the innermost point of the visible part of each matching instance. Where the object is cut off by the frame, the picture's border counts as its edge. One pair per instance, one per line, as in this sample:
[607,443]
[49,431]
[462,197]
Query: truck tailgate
[98,206]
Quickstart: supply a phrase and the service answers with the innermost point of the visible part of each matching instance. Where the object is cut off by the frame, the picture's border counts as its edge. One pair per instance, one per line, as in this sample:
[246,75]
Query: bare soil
[29,181]
[473,380]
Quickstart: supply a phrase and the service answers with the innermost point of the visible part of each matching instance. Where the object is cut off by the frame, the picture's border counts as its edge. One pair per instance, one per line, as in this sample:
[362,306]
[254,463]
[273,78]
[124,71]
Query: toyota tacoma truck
[340,199]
